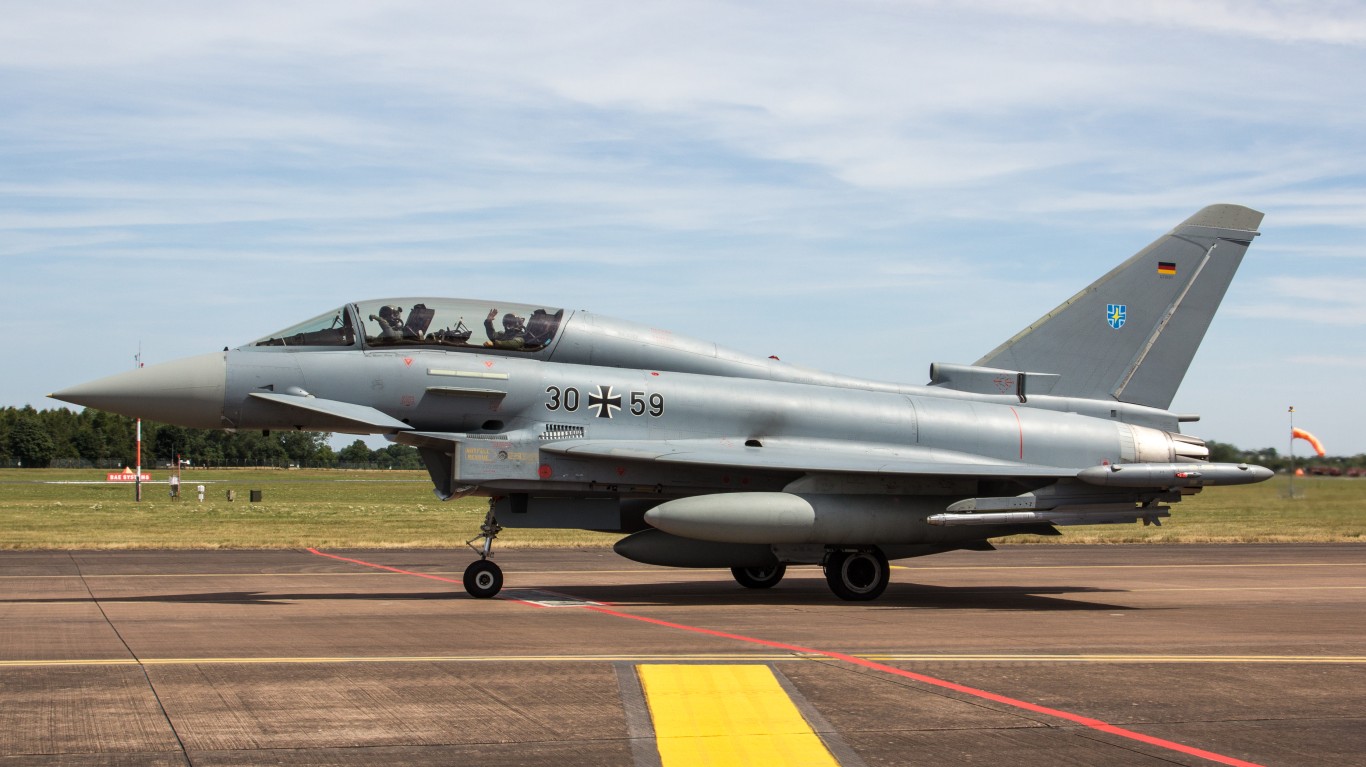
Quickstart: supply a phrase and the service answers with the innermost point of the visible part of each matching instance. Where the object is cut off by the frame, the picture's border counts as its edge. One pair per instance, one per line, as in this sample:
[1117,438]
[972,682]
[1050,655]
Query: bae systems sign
[127,476]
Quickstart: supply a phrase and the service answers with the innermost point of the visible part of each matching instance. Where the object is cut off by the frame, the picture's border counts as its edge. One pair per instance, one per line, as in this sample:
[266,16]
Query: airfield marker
[728,714]
[137,477]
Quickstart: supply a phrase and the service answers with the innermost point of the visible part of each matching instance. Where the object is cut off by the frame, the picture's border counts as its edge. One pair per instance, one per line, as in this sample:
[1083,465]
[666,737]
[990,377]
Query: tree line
[1222,452]
[61,437]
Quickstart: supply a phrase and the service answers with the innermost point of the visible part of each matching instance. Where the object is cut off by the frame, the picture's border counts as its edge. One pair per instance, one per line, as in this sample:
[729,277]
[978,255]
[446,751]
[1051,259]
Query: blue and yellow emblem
[1116,314]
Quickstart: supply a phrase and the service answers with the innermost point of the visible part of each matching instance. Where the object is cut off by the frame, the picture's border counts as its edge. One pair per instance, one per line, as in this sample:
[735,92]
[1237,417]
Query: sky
[860,186]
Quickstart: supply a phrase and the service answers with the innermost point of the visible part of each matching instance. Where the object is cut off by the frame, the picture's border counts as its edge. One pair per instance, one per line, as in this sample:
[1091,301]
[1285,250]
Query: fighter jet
[712,458]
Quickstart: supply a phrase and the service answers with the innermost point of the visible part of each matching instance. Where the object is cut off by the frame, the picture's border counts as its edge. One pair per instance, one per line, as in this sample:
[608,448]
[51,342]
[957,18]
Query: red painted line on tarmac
[1094,724]
[1085,721]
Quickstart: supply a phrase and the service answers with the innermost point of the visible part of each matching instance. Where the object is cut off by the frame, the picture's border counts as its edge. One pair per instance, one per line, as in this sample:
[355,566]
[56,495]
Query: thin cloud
[959,166]
[1328,300]
[1342,23]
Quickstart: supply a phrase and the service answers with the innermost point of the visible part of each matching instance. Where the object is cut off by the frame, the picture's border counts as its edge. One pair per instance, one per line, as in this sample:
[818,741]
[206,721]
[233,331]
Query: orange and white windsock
[1310,438]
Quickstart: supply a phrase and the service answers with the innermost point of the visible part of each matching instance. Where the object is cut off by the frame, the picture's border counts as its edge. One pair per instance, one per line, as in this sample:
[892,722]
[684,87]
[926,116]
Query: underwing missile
[1173,474]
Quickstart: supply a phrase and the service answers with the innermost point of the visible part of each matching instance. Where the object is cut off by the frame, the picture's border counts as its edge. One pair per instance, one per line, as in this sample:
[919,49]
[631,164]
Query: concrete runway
[1032,655]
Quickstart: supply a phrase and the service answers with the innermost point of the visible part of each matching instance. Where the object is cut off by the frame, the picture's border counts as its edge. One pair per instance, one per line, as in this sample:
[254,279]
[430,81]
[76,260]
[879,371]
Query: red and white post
[137,483]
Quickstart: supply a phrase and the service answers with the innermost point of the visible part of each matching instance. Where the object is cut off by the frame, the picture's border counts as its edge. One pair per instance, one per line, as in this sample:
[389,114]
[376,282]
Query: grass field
[76,509]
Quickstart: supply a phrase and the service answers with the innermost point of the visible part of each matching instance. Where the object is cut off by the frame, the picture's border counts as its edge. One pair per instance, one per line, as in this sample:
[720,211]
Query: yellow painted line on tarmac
[727,715]
[666,658]
[74,662]
[695,658]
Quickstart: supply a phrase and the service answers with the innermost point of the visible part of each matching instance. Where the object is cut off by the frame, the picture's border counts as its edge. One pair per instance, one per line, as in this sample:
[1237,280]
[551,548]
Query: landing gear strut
[857,576]
[483,578]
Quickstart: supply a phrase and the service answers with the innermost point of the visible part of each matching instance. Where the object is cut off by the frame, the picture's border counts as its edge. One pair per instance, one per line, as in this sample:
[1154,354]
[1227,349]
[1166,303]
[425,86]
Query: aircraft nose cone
[186,392]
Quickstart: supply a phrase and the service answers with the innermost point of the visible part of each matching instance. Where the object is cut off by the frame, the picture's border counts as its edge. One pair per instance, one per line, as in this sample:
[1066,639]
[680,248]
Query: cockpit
[432,322]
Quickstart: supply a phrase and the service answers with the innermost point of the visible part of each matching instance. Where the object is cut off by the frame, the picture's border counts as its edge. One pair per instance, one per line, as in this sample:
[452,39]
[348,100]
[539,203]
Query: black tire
[858,576]
[759,577]
[483,579]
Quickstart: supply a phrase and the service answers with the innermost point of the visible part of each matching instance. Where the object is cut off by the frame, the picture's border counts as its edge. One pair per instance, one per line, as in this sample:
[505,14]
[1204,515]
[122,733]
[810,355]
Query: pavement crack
[911,684]
[180,743]
[1117,743]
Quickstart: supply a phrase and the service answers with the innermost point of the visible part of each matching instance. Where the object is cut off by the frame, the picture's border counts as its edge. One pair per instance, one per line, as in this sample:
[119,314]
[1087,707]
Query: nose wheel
[483,578]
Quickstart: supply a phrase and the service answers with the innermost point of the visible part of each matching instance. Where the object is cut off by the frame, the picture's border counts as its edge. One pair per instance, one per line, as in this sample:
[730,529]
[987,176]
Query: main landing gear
[857,576]
[759,577]
[483,578]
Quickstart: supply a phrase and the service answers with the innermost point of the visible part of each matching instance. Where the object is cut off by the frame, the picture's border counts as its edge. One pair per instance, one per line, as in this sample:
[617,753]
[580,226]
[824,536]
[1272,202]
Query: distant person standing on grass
[175,487]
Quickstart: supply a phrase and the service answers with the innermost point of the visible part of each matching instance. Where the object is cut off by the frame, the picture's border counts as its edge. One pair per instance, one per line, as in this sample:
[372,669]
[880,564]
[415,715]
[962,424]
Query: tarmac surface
[1031,655]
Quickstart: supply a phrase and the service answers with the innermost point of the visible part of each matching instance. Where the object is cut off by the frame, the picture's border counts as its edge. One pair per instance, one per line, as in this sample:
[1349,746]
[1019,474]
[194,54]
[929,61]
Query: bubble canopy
[440,322]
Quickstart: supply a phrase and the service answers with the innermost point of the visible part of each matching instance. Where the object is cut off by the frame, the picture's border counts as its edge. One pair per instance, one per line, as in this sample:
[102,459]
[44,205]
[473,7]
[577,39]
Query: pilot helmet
[389,312]
[511,321]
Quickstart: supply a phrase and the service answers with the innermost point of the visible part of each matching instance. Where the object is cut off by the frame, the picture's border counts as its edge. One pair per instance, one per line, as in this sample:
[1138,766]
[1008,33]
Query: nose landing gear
[484,578]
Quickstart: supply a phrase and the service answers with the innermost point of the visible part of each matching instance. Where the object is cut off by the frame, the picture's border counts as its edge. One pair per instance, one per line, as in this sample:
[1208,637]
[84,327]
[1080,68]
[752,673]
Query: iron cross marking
[604,401]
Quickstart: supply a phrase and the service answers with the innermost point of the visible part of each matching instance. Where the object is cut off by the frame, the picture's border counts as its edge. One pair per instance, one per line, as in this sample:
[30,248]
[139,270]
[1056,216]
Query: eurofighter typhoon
[708,457]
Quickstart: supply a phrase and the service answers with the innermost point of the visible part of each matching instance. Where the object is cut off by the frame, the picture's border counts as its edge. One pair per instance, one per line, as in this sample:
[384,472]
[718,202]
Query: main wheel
[759,577]
[857,576]
[483,579]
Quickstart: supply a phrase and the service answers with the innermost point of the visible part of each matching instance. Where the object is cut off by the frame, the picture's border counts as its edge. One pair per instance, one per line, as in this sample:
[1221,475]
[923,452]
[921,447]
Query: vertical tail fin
[1131,335]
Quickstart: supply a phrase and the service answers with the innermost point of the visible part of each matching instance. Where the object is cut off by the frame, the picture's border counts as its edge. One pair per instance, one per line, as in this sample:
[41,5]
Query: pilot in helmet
[513,334]
[391,316]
